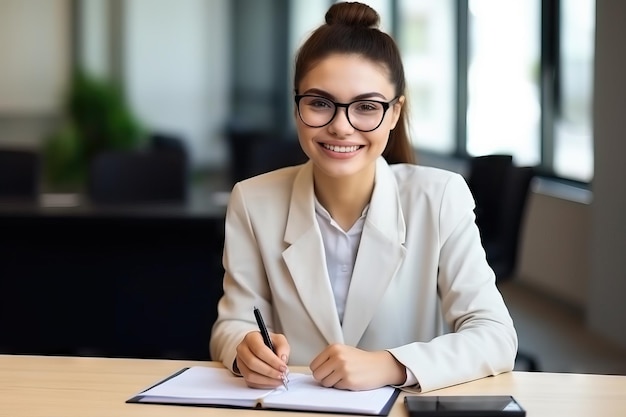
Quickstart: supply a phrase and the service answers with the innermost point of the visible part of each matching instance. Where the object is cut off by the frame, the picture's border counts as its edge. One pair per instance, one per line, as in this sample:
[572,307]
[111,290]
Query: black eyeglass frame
[386,105]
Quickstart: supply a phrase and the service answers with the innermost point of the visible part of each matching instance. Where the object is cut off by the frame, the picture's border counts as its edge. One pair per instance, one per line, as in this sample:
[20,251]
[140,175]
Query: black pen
[266,337]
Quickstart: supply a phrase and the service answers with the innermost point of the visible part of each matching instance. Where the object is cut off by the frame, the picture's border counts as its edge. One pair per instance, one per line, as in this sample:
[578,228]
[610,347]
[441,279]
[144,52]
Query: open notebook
[207,386]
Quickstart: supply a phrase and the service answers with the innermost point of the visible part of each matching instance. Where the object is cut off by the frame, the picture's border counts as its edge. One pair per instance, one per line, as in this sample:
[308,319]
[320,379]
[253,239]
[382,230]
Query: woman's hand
[349,368]
[260,367]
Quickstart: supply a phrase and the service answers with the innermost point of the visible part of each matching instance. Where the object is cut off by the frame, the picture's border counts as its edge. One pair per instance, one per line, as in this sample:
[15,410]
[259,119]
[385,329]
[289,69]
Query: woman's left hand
[346,367]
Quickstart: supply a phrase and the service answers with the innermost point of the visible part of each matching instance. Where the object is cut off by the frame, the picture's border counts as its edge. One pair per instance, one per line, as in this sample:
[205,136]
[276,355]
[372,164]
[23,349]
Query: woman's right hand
[259,366]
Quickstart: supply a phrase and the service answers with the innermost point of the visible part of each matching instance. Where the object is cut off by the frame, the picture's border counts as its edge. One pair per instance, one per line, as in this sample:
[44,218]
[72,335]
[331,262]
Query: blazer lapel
[306,261]
[381,252]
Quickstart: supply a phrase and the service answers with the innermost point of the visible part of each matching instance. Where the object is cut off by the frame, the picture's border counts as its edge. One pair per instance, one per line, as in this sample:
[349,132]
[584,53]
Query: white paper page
[205,383]
[307,394]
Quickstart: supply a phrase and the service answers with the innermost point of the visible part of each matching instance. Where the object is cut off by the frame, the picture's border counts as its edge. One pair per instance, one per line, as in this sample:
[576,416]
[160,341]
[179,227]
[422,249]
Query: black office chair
[163,141]
[19,175]
[487,179]
[132,177]
[501,191]
[255,152]
[503,251]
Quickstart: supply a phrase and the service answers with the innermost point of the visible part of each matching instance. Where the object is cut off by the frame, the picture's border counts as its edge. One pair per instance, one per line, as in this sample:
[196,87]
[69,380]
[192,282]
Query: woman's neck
[344,198]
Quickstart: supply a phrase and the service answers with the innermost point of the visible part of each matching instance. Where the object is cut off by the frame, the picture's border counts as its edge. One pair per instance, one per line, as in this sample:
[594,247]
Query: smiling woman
[359,260]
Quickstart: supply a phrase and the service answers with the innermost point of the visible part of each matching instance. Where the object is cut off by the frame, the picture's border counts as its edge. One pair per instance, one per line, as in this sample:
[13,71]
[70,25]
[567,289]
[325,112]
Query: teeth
[341,149]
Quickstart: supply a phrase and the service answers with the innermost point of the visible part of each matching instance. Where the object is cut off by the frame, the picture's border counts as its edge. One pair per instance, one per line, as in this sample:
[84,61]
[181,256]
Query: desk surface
[202,202]
[73,387]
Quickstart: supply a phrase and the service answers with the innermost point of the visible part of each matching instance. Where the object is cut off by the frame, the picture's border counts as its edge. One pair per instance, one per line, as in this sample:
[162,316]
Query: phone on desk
[463,406]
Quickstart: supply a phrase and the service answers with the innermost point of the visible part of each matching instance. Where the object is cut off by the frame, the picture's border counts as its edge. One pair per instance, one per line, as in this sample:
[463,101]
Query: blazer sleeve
[244,282]
[483,340]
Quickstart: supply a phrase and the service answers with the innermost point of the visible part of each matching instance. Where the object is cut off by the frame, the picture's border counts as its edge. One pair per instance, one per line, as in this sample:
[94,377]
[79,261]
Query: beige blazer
[421,287]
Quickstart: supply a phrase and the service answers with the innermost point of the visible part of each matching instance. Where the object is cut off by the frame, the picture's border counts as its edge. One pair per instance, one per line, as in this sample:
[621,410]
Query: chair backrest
[130,177]
[160,141]
[512,215]
[256,152]
[19,175]
[487,179]
[500,190]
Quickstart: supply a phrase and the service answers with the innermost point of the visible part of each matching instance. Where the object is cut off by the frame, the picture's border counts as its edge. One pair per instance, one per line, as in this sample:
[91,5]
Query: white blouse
[341,249]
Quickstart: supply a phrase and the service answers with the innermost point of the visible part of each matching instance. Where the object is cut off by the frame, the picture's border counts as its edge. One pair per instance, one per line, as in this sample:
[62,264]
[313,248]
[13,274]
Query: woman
[367,268]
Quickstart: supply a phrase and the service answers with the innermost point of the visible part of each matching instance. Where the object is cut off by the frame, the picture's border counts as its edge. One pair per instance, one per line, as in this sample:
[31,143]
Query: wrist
[397,371]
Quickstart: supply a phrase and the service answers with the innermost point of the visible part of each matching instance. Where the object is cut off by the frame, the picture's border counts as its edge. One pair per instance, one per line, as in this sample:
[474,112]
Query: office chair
[500,191]
[132,177]
[19,175]
[487,179]
[254,152]
[160,141]
[513,207]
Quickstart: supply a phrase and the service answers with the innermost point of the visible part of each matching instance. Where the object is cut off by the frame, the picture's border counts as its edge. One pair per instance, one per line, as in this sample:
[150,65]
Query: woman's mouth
[341,149]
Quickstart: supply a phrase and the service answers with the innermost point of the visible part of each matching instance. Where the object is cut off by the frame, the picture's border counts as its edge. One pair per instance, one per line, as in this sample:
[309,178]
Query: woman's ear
[396,110]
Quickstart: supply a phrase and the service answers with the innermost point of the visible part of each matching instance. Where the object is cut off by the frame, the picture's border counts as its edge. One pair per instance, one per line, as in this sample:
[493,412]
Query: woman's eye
[320,103]
[366,106]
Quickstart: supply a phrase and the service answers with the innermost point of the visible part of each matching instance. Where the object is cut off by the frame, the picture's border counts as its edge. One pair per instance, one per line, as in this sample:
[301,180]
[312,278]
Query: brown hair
[352,28]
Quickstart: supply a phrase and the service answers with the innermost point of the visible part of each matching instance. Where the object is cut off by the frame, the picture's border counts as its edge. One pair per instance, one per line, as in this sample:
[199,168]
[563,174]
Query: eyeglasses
[363,115]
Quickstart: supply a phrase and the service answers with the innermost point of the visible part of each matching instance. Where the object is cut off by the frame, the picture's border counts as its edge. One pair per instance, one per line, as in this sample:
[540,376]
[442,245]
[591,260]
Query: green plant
[96,118]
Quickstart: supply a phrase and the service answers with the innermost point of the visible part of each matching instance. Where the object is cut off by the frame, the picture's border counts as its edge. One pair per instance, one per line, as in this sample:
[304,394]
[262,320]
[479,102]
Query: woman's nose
[340,125]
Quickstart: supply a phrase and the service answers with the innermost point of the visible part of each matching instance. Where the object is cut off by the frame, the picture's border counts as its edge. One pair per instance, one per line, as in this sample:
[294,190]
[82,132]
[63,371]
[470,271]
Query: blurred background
[198,94]
[201,69]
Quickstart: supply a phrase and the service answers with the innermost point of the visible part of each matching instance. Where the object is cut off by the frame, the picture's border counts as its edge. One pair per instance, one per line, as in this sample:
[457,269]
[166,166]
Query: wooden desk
[91,387]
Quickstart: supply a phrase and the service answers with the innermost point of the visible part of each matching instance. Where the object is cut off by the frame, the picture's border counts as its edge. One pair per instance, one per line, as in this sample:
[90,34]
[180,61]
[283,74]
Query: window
[426,39]
[493,76]
[503,111]
[573,141]
[304,18]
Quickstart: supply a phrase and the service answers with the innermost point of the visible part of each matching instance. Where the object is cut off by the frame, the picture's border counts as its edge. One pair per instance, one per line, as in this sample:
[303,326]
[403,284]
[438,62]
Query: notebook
[218,387]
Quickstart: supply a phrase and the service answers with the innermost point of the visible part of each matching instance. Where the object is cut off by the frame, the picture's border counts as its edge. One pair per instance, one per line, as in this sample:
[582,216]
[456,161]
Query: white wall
[176,70]
[34,55]
[34,68]
[554,254]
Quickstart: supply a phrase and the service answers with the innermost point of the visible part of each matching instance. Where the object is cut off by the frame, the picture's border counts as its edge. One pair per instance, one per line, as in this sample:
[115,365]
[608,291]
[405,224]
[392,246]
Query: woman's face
[338,149]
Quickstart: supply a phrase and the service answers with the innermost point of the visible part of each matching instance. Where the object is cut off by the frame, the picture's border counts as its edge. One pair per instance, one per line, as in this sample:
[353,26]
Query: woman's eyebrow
[318,92]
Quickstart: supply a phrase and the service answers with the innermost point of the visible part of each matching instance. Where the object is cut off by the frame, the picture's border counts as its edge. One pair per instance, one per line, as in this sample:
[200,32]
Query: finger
[319,360]
[256,380]
[281,347]
[321,371]
[331,380]
[268,356]
[257,364]
[257,357]
[257,372]
[277,358]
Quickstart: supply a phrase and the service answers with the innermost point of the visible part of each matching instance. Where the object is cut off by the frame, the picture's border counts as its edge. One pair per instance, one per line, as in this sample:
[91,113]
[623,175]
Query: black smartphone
[463,406]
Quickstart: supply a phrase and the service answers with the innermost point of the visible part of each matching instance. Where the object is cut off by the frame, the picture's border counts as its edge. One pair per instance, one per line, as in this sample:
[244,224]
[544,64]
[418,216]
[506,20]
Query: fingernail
[284,358]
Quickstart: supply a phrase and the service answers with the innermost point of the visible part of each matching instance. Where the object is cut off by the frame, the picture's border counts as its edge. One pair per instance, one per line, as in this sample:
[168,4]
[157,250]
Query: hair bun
[352,14]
